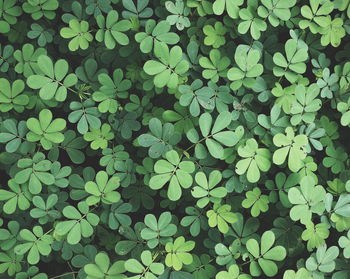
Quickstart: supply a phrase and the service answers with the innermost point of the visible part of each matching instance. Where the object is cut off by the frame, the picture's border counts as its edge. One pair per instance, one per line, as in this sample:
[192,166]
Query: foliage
[174,171]
[206,190]
[307,200]
[178,252]
[52,79]
[219,216]
[265,254]
[168,66]
[214,135]
[256,159]
[249,68]
[293,63]
[110,30]
[79,32]
[103,189]
[159,231]
[174,139]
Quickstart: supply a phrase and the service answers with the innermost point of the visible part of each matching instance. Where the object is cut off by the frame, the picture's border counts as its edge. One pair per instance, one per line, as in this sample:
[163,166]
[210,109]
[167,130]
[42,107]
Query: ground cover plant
[181,139]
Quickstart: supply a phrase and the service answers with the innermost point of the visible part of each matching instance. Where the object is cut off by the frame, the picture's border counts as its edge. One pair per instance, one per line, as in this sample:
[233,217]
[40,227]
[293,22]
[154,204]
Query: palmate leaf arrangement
[174,139]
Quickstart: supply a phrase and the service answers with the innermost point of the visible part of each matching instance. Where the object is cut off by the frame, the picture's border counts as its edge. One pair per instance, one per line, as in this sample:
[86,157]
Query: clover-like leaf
[175,171]
[53,80]
[293,63]
[102,268]
[251,21]
[276,10]
[206,190]
[158,231]
[257,202]
[306,200]
[99,137]
[36,243]
[255,159]
[290,146]
[264,255]
[27,59]
[214,135]
[13,133]
[111,29]
[103,190]
[179,13]
[9,13]
[178,252]
[161,139]
[168,67]
[316,15]
[220,215]
[323,259]
[155,34]
[35,172]
[79,34]
[215,66]
[12,96]
[110,90]
[306,105]
[315,235]
[46,130]
[215,36]
[40,8]
[80,223]
[232,7]
[147,269]
[17,197]
[248,67]
[195,219]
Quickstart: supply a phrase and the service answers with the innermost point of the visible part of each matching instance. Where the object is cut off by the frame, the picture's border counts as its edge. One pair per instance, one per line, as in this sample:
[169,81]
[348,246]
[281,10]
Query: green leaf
[306,200]
[77,225]
[293,63]
[174,171]
[315,235]
[220,215]
[168,68]
[158,231]
[46,130]
[177,253]
[53,80]
[11,96]
[111,30]
[206,191]
[35,244]
[248,68]
[102,268]
[103,189]
[291,146]
[79,33]
[323,260]
[265,254]
[255,159]
[256,201]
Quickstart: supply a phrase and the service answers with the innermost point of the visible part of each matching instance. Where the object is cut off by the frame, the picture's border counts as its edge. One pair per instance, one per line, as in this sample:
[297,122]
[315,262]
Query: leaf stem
[64,274]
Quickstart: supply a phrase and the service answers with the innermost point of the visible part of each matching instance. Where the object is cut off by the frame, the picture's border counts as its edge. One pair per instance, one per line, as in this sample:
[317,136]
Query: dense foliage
[181,139]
